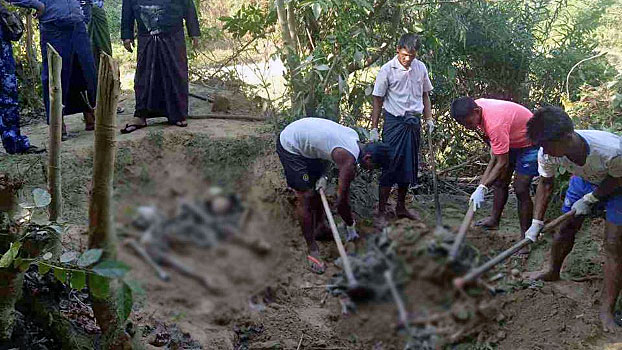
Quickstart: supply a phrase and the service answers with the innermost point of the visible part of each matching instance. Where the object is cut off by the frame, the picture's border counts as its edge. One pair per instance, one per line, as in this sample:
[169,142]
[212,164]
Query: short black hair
[410,42]
[461,108]
[381,153]
[549,123]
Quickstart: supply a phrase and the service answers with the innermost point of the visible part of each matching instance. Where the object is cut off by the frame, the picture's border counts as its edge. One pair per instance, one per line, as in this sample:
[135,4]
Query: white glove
[321,183]
[430,124]
[351,233]
[534,230]
[584,205]
[373,135]
[478,196]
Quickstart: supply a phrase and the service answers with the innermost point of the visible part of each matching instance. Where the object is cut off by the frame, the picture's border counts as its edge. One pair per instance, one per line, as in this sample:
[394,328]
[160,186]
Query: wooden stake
[101,228]
[55,64]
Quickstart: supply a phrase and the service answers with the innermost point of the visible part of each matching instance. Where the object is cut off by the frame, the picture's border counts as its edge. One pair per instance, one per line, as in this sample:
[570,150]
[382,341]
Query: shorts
[301,173]
[578,187]
[525,160]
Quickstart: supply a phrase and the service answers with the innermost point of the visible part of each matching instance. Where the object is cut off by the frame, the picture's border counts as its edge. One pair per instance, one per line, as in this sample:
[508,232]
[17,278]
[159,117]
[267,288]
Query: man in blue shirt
[62,24]
[12,139]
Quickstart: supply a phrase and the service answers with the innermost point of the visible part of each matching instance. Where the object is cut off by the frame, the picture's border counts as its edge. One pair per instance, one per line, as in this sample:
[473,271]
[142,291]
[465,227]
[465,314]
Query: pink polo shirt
[505,124]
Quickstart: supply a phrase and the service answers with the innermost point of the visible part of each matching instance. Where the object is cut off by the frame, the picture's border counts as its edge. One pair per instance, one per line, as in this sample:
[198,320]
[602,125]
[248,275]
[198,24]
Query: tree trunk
[291,54]
[101,228]
[55,63]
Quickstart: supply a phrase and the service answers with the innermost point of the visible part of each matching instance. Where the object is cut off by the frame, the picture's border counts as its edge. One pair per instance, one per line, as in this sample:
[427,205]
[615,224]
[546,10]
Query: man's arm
[347,170]
[427,106]
[192,20]
[377,102]
[606,188]
[501,162]
[127,24]
[546,185]
[31,4]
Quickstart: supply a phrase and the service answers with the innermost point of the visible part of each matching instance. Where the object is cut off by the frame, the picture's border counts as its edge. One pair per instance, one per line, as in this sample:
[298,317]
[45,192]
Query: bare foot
[608,322]
[488,223]
[524,252]
[405,213]
[548,276]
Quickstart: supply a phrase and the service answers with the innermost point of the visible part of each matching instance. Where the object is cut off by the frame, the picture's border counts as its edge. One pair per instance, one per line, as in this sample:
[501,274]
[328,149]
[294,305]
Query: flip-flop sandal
[316,265]
[130,128]
[181,123]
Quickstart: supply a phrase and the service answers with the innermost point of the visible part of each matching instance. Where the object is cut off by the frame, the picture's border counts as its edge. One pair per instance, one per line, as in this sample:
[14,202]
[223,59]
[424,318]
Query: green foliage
[249,19]
[90,257]
[9,256]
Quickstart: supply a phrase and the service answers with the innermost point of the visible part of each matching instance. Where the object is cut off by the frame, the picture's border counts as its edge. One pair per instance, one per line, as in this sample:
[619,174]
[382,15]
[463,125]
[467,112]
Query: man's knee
[568,230]
[521,188]
[613,239]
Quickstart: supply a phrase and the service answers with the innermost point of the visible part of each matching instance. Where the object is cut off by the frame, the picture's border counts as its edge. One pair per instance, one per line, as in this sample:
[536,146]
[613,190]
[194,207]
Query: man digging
[505,125]
[595,160]
[402,89]
[304,147]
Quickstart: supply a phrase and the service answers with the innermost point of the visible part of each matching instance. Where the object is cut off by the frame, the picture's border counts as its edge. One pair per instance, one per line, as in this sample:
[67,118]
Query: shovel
[466,222]
[475,273]
[355,290]
[439,230]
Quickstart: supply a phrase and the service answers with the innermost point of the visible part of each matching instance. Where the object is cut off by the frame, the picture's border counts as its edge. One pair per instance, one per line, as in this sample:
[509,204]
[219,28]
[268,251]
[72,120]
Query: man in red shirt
[505,125]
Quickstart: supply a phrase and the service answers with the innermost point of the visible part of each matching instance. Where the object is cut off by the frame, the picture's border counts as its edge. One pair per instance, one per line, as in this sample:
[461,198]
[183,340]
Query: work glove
[584,205]
[351,233]
[321,184]
[477,198]
[373,135]
[430,124]
[534,230]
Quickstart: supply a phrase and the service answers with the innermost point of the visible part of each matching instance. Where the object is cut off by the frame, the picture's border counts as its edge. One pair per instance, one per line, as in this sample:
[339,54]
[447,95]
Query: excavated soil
[272,301]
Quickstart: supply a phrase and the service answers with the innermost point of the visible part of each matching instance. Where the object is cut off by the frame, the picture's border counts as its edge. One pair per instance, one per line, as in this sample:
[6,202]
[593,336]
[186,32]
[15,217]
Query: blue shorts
[525,160]
[578,187]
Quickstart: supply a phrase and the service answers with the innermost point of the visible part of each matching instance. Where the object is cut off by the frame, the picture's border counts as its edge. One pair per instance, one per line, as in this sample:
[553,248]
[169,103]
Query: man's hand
[321,184]
[128,44]
[39,12]
[478,196]
[195,43]
[430,124]
[534,230]
[351,233]
[373,135]
[584,205]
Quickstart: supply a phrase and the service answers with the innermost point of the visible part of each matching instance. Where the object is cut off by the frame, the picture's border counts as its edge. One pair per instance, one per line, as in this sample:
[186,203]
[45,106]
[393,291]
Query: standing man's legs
[500,198]
[563,240]
[613,275]
[525,205]
[400,208]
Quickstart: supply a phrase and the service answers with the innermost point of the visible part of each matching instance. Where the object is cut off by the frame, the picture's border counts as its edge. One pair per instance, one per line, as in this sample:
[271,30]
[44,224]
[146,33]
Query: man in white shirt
[402,89]
[304,147]
[595,160]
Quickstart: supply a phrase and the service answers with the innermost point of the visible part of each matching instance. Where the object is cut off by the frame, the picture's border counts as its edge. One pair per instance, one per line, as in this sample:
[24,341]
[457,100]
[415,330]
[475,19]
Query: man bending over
[595,160]
[304,147]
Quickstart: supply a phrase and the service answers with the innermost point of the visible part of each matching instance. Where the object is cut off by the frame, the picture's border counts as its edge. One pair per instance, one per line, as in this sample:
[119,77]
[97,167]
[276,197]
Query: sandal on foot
[129,128]
[316,265]
[181,123]
[481,225]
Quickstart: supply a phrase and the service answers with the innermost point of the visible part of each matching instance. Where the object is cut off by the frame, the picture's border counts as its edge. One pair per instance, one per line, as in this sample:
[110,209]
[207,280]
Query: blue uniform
[12,140]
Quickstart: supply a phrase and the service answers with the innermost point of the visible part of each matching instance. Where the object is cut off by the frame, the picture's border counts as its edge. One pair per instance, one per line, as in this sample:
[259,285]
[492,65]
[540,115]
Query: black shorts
[301,173]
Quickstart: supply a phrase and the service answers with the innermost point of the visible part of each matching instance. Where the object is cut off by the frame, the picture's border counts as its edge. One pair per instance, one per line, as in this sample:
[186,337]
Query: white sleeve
[546,168]
[382,82]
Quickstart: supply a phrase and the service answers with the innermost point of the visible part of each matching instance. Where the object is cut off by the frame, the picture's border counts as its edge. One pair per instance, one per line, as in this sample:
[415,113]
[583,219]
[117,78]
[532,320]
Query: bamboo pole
[101,228]
[55,63]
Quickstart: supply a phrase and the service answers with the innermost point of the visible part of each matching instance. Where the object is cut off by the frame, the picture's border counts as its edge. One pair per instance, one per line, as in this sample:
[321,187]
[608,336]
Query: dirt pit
[271,300]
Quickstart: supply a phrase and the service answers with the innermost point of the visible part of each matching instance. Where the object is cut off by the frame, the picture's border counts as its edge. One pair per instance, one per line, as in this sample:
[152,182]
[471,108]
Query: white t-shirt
[402,88]
[604,158]
[316,138]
